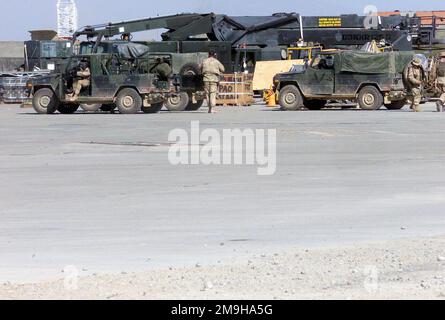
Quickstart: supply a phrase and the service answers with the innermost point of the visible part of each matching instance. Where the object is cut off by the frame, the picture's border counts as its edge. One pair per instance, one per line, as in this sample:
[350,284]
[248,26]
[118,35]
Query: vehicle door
[69,76]
[105,75]
[319,79]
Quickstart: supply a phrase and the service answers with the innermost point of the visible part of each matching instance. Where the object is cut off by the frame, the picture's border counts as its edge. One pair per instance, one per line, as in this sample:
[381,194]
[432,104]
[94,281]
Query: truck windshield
[323,62]
[87,48]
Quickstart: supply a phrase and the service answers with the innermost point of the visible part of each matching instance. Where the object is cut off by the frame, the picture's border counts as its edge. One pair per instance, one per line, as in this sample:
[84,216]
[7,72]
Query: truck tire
[194,106]
[315,104]
[155,108]
[129,101]
[45,101]
[396,105]
[68,108]
[190,69]
[290,98]
[91,107]
[370,98]
[178,102]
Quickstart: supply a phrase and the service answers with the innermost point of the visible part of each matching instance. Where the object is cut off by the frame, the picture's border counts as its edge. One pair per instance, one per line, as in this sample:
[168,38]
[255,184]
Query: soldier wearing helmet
[83,75]
[441,82]
[162,69]
[416,79]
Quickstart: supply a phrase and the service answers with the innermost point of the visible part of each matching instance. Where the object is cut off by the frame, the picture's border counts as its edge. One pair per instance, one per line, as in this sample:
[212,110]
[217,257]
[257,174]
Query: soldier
[83,76]
[441,82]
[126,37]
[416,78]
[212,70]
[162,69]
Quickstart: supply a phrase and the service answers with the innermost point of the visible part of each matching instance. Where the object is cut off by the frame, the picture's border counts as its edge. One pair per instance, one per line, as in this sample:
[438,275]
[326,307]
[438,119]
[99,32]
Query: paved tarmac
[96,191]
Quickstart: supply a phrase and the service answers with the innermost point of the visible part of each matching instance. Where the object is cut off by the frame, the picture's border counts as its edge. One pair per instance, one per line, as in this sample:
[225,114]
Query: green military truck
[121,79]
[372,79]
[184,64]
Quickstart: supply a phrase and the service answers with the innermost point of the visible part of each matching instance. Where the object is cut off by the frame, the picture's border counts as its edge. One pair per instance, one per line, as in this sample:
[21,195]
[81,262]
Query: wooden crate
[236,90]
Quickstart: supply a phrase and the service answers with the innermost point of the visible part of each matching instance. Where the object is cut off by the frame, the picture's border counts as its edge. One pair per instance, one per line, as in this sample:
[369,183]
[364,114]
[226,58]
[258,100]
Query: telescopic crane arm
[279,29]
[171,23]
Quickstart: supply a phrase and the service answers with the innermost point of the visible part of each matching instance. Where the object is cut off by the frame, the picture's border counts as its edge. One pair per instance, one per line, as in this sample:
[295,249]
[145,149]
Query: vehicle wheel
[129,101]
[155,108]
[178,102]
[194,106]
[396,105]
[190,69]
[370,98]
[90,107]
[45,101]
[108,107]
[68,108]
[290,98]
[315,104]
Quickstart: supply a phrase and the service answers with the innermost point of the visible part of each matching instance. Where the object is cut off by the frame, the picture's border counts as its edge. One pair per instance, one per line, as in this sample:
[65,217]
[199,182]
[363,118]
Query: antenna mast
[66,18]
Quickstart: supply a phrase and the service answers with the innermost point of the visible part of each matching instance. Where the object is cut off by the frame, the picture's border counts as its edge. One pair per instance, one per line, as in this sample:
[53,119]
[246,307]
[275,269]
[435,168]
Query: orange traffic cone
[271,98]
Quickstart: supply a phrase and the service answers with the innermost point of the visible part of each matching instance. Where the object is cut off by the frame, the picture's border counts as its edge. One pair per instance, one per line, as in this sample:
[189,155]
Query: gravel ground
[405,269]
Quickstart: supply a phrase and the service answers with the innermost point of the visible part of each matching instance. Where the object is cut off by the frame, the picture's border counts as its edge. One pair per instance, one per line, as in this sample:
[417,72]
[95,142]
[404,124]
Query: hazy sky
[19,16]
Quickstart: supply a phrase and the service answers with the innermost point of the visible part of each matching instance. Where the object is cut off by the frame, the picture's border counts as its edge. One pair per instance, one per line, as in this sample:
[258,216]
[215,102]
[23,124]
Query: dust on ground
[403,269]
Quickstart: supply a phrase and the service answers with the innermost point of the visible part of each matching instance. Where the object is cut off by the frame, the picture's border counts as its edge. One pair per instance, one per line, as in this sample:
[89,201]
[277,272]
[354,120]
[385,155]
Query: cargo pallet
[236,90]
[13,86]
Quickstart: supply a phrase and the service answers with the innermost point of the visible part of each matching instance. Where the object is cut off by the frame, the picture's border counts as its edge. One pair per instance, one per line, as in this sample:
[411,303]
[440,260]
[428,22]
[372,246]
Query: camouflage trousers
[442,90]
[416,99]
[79,84]
[211,89]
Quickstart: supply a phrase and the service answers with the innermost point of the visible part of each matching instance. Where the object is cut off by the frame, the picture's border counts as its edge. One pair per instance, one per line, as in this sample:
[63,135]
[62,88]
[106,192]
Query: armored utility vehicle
[371,79]
[121,79]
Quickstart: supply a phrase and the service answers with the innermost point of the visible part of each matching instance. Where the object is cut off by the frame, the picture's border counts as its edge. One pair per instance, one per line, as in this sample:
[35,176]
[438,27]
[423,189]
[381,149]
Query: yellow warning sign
[330,22]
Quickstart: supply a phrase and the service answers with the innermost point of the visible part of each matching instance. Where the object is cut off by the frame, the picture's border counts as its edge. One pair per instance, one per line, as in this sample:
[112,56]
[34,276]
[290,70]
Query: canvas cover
[130,50]
[373,63]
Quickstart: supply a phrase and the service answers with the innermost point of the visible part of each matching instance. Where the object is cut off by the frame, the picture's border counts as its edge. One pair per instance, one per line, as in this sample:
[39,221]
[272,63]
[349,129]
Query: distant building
[12,55]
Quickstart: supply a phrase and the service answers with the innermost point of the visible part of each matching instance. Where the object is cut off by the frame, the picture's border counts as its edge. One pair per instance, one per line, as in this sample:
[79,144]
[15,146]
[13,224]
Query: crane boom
[171,23]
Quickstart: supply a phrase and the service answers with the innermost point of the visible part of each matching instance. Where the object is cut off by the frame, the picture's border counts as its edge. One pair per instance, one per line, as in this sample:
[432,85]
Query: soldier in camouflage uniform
[416,78]
[162,69]
[212,70]
[82,81]
[441,82]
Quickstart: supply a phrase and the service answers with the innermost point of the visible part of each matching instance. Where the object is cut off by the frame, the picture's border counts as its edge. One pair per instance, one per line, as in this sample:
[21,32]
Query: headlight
[284,54]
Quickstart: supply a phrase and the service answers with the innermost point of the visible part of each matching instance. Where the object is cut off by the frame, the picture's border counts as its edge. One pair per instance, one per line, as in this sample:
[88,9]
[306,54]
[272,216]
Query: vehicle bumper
[395,96]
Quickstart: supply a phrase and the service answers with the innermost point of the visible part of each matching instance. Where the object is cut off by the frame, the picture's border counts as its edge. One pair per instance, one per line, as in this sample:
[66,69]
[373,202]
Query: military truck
[121,80]
[371,79]
[185,64]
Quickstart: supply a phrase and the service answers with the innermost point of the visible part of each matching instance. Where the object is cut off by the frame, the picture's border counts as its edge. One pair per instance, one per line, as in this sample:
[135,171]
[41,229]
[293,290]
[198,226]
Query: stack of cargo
[236,90]
[13,88]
